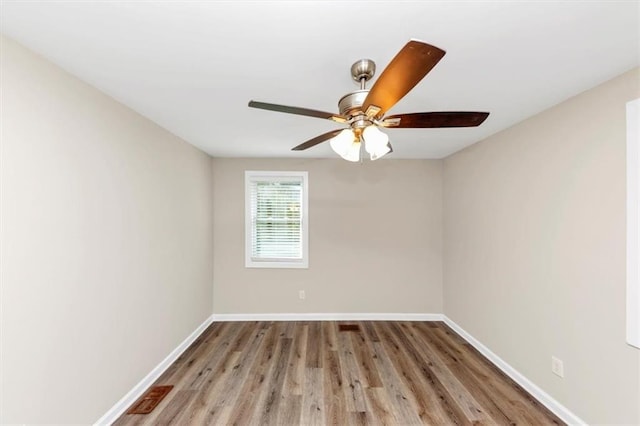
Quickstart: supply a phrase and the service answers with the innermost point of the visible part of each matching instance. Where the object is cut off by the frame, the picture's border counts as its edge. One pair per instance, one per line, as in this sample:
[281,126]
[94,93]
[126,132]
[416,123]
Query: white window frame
[251,176]
[633,223]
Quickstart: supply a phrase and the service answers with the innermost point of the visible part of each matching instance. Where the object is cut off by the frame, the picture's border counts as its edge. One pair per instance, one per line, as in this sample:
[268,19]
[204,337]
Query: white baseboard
[545,399]
[137,391]
[329,317]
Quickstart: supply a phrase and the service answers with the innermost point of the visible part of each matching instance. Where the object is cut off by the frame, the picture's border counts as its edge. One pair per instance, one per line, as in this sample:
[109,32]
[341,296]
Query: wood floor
[316,373]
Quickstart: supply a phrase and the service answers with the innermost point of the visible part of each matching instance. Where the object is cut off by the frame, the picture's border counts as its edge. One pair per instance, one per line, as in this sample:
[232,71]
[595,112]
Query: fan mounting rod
[350,105]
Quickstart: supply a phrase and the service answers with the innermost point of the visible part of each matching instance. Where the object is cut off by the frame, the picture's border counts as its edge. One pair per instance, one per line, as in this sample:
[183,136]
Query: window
[276,225]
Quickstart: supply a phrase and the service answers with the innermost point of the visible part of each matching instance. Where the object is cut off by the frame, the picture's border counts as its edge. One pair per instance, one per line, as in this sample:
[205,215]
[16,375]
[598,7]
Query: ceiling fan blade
[422,120]
[315,141]
[405,70]
[299,111]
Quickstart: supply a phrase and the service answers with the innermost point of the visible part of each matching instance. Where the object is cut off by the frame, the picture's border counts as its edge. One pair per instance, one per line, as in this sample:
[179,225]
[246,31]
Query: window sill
[302,264]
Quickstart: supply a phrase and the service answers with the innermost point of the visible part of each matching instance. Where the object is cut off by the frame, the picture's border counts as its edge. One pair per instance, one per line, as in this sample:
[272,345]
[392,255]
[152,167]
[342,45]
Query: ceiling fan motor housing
[351,103]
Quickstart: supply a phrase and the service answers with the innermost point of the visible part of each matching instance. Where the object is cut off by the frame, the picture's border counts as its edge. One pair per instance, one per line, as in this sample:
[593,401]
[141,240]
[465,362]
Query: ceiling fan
[364,110]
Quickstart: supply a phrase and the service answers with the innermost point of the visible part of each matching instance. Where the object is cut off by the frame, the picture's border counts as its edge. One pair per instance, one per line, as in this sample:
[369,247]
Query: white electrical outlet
[557,366]
[301,294]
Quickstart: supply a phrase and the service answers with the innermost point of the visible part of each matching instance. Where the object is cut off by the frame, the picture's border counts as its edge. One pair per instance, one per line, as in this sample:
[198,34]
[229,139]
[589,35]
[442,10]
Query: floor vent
[348,327]
[150,400]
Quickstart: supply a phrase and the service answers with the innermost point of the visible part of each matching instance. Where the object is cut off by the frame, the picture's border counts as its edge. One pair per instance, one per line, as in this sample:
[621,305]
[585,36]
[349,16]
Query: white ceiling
[193,66]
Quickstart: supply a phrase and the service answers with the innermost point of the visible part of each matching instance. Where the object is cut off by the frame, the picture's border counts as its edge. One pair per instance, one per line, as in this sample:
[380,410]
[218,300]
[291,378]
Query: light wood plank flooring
[312,373]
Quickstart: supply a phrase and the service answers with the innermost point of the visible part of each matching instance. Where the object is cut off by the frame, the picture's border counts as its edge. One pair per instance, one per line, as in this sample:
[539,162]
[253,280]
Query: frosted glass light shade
[376,143]
[346,145]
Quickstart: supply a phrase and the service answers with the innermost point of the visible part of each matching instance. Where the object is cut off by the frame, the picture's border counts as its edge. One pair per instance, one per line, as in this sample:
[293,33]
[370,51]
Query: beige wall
[106,244]
[375,240]
[534,249]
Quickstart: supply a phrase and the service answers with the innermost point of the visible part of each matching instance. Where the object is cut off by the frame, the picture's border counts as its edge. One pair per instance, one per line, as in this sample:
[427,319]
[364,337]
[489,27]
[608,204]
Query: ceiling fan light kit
[376,143]
[363,110]
[346,145]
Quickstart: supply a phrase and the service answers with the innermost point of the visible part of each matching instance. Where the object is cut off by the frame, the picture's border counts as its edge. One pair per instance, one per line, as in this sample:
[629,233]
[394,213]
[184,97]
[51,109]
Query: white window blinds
[276,224]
